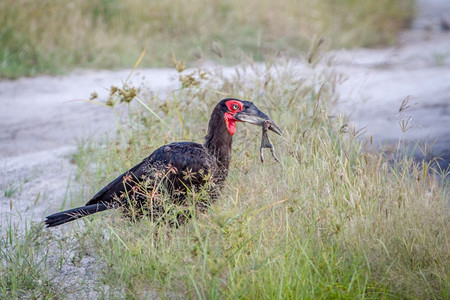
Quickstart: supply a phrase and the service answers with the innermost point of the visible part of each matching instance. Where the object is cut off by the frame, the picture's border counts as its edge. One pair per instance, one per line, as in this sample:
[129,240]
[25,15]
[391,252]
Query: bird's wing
[116,187]
[181,164]
[186,164]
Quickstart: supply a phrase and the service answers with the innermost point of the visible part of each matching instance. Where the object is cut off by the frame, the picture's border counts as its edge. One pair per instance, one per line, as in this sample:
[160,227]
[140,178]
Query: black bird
[175,169]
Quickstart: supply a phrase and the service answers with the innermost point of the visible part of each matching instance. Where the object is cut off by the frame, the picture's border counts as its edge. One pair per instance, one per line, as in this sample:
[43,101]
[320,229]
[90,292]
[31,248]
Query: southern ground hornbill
[175,169]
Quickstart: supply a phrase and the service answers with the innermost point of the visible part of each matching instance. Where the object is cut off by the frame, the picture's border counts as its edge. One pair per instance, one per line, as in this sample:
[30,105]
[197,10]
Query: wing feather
[183,163]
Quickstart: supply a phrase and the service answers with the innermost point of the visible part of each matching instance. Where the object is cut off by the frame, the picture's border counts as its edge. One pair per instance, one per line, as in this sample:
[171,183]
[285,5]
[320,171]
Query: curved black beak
[251,114]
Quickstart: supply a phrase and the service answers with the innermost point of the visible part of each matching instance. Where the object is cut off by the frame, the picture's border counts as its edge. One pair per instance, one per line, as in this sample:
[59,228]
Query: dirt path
[41,123]
[418,69]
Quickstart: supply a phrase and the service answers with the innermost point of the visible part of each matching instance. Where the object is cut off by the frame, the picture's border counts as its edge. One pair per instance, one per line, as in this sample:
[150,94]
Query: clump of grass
[22,259]
[329,221]
[54,36]
[14,187]
[10,190]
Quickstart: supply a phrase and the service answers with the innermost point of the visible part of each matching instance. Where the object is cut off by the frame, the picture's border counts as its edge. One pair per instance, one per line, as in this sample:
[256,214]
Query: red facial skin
[230,121]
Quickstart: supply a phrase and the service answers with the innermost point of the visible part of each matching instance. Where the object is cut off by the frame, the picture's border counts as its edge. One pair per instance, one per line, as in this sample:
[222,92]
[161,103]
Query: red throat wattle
[230,121]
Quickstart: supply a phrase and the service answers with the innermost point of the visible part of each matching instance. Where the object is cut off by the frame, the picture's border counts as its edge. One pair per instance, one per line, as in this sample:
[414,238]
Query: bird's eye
[235,107]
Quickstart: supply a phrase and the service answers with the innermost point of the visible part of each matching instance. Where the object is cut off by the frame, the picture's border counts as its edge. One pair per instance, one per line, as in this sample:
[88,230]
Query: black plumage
[175,170]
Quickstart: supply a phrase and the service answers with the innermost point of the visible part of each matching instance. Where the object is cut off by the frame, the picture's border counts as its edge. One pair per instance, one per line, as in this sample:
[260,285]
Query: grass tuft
[22,260]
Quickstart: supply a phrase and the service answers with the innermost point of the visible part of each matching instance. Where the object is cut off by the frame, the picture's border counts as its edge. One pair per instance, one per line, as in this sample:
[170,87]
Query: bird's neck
[218,141]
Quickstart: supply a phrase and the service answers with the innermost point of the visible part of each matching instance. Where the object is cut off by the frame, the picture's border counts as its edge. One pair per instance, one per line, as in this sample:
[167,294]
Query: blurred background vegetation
[51,36]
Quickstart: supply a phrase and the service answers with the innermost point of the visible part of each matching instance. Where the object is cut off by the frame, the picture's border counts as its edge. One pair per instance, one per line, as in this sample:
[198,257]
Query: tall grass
[329,221]
[22,260]
[50,36]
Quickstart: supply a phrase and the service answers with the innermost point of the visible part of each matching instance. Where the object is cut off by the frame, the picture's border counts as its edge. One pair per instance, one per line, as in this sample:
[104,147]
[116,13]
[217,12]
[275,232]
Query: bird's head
[235,110]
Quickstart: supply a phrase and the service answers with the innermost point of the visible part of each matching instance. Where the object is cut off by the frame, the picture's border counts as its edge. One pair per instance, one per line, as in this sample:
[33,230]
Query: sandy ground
[42,118]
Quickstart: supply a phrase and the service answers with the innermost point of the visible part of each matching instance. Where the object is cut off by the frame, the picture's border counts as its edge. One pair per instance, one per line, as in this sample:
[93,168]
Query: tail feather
[73,214]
